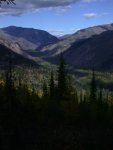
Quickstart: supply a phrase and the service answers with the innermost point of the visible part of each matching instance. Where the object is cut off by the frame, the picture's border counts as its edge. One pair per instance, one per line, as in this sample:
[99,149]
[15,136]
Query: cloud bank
[94,15]
[23,6]
[90,15]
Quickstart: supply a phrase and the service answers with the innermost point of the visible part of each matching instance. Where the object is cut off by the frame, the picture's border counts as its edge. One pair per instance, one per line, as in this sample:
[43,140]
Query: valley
[53,89]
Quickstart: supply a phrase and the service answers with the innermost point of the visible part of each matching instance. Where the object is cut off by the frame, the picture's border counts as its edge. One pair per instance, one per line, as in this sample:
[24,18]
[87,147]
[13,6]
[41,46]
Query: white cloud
[60,10]
[90,15]
[60,32]
[93,15]
[89,1]
[23,6]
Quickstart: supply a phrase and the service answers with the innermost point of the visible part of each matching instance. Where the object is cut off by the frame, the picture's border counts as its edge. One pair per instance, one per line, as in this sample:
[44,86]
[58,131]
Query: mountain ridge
[27,38]
[65,44]
[79,49]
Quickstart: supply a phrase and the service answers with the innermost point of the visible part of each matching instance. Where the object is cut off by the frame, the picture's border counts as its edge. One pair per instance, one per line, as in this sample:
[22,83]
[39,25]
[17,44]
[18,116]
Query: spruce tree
[93,88]
[81,97]
[100,97]
[9,78]
[45,90]
[52,87]
[62,86]
[76,96]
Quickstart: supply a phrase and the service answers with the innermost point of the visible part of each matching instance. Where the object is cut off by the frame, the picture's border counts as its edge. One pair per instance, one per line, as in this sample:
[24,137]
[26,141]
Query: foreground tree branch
[7,1]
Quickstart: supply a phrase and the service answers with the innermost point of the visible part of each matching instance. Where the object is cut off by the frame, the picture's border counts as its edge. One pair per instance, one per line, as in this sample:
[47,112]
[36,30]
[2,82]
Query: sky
[58,17]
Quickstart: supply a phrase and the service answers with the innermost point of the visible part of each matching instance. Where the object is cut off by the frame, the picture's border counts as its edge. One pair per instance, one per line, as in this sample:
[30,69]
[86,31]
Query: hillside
[79,49]
[28,38]
[87,48]
[17,59]
[94,52]
[64,45]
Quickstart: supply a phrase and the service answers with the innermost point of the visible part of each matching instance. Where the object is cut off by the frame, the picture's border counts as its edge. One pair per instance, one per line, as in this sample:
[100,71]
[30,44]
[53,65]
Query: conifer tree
[76,97]
[62,86]
[9,78]
[100,97]
[45,90]
[93,88]
[52,87]
[107,97]
[81,97]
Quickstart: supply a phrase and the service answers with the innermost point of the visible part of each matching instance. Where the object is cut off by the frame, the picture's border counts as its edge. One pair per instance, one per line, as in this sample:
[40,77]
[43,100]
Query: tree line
[61,118]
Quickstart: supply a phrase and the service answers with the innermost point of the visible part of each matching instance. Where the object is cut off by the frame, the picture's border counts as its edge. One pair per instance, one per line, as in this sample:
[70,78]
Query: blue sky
[57,16]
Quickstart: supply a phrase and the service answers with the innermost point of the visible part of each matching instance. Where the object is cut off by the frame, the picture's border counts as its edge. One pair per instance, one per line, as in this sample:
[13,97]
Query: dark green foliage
[52,87]
[76,96]
[62,81]
[45,90]
[80,120]
[93,88]
[9,77]
[100,97]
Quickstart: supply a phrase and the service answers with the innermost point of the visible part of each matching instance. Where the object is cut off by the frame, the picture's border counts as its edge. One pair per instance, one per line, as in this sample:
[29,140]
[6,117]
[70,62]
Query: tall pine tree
[52,87]
[62,85]
[45,90]
[93,88]
[9,78]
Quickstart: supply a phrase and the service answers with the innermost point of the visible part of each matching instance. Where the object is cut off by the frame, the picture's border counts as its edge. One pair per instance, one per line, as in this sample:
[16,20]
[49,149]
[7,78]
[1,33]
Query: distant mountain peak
[85,48]
[34,36]
[88,47]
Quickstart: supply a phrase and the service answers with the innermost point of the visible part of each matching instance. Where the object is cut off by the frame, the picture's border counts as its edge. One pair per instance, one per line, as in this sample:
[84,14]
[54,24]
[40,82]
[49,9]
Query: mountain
[15,47]
[95,52]
[64,36]
[17,59]
[63,45]
[7,46]
[87,48]
[22,40]
[28,38]
[91,47]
